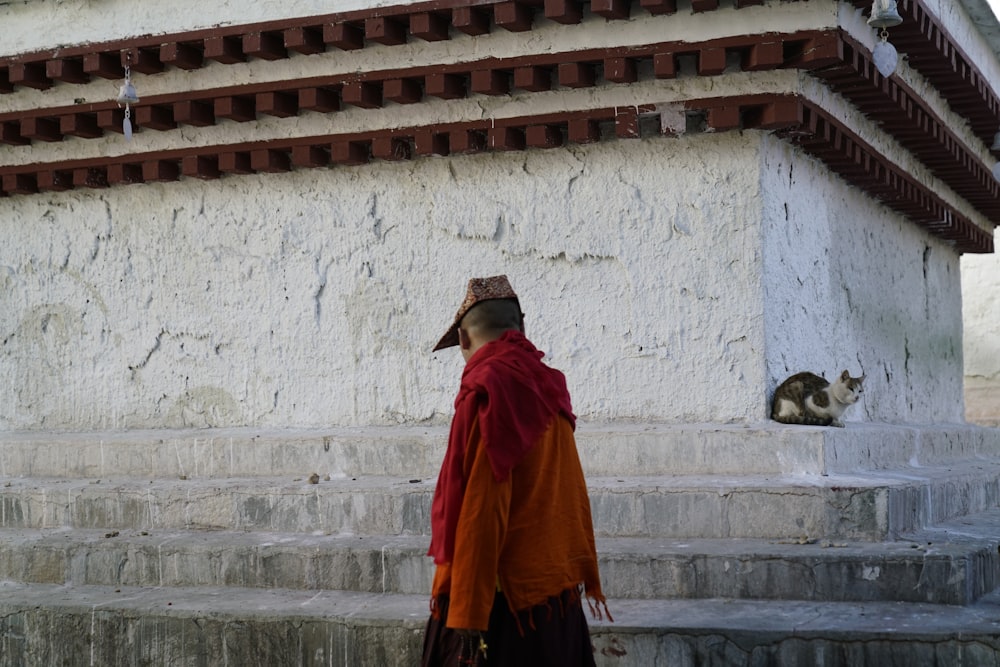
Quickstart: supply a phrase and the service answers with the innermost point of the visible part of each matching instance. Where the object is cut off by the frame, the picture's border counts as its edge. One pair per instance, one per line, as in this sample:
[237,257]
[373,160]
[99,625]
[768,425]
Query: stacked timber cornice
[299,118]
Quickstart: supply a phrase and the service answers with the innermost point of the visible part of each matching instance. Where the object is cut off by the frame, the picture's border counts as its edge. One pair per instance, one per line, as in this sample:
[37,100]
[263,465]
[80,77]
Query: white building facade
[220,417]
[693,204]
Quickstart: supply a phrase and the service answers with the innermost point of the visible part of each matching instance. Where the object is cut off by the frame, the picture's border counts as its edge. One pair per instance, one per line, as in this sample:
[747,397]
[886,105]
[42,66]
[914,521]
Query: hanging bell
[884,14]
[127,94]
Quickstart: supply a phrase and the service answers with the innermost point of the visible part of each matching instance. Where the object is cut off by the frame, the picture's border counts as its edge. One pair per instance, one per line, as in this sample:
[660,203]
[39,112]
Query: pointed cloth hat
[480,289]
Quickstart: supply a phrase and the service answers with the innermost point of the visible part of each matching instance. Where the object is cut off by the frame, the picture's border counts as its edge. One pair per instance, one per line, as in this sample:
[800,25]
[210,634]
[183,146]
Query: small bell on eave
[127,96]
[884,14]
[126,93]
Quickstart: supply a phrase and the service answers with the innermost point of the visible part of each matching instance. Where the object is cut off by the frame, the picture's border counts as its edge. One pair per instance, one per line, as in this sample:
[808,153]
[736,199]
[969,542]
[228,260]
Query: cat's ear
[845,376]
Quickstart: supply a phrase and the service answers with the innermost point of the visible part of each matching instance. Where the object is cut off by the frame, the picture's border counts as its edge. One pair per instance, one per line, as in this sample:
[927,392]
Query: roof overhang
[293,103]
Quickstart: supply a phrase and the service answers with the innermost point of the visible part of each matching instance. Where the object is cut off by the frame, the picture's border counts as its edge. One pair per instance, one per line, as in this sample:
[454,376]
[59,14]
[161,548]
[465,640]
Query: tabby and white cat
[807,398]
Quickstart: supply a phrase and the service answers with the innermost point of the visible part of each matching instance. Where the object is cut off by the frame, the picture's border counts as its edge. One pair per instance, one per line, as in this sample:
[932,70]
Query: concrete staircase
[719,545]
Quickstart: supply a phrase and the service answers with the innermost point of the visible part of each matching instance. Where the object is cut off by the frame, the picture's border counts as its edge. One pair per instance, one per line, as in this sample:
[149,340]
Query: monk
[511,530]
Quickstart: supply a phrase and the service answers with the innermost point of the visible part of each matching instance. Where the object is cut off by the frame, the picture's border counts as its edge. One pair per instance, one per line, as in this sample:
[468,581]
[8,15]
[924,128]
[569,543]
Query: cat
[807,398]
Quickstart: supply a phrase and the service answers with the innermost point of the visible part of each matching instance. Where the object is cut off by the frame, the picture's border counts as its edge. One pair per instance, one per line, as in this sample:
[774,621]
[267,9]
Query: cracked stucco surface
[869,291]
[314,298]
[672,280]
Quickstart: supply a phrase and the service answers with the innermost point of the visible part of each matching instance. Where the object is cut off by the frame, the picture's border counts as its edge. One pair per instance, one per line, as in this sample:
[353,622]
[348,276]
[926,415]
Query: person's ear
[463,339]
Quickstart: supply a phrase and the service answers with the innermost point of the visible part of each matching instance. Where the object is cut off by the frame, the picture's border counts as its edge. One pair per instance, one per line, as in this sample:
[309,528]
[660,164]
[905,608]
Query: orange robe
[531,535]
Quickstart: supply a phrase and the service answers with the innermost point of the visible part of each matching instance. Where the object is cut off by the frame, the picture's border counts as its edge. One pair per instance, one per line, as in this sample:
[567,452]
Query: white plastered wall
[851,285]
[671,279]
[659,274]
[981,315]
[313,298]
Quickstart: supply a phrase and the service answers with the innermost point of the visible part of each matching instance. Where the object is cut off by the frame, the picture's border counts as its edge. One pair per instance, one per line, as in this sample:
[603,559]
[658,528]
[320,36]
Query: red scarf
[515,397]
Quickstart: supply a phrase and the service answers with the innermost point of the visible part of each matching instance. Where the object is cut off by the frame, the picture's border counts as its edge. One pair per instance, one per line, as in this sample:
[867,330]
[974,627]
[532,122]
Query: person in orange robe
[511,530]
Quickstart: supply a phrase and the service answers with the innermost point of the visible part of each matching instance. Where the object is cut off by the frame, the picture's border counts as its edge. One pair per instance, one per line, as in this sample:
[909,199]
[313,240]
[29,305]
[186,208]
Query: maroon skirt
[552,634]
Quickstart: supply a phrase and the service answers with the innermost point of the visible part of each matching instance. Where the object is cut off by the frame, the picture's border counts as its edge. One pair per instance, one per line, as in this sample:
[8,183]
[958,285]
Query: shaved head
[493,317]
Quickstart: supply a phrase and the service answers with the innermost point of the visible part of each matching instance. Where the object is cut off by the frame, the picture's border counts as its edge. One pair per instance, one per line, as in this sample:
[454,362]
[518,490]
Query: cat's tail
[804,420]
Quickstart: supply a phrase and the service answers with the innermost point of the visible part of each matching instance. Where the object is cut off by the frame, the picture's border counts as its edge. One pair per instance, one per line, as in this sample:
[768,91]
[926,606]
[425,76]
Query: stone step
[367,506]
[868,507]
[949,564]
[417,451]
[42,625]
[373,564]
[821,571]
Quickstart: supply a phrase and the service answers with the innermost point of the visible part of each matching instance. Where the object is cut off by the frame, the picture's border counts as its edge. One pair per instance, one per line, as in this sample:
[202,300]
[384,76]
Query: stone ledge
[417,451]
[43,625]
[936,566]
[863,506]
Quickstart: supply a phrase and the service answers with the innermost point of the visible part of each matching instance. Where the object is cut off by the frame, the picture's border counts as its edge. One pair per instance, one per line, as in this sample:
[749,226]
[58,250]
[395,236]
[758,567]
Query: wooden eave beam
[344,36]
[428,142]
[543,136]
[829,56]
[183,56]
[265,45]
[155,117]
[282,104]
[225,49]
[567,12]
[514,16]
[915,125]
[305,40]
[204,167]
[106,65]
[430,26]
[859,164]
[852,75]
[10,134]
[54,181]
[402,91]
[159,171]
[320,99]
[445,86]
[471,20]
[270,161]
[930,49]
[657,7]
[67,70]
[30,74]
[385,30]
[197,113]
[939,57]
[310,156]
[38,128]
[391,148]
[238,108]
[143,60]
[612,10]
[111,120]
[798,121]
[83,125]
